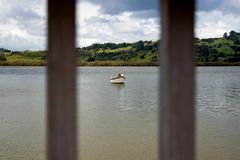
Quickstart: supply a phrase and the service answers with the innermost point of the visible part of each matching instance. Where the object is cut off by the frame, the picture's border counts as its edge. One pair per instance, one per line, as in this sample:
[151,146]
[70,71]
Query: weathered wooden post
[177,85]
[61,110]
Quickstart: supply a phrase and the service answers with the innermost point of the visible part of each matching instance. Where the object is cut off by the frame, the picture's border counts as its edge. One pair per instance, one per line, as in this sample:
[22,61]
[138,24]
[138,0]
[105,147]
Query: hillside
[225,50]
[210,51]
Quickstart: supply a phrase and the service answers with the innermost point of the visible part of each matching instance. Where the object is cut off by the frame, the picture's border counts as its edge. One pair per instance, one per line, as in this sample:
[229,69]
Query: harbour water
[118,122]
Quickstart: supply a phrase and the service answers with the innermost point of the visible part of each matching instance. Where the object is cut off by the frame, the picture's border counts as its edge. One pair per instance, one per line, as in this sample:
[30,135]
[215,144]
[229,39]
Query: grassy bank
[35,62]
[223,51]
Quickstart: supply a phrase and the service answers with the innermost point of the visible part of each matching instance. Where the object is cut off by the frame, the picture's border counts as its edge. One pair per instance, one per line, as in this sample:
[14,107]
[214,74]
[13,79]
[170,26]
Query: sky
[23,22]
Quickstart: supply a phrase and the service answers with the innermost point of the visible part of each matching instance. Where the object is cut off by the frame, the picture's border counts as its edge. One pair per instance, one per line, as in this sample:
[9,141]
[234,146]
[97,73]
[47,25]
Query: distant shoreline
[112,64]
[224,51]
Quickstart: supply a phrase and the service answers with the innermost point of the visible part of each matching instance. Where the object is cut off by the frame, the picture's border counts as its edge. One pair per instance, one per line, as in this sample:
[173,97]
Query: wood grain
[177,75]
[61,109]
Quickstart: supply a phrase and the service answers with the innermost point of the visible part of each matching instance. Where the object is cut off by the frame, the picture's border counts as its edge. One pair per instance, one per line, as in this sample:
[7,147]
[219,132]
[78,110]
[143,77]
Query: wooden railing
[176,88]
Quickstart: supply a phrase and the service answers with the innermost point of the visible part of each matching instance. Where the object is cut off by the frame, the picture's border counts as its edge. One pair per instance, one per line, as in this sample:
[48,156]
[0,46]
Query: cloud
[215,23]
[136,25]
[232,6]
[113,7]
[100,27]
[23,23]
[208,5]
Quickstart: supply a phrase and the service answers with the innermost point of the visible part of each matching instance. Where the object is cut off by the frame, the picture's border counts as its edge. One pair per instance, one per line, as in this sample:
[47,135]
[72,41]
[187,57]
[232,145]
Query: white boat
[119,79]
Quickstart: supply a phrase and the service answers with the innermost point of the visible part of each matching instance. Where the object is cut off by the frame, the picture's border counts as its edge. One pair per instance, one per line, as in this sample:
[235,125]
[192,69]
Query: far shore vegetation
[224,51]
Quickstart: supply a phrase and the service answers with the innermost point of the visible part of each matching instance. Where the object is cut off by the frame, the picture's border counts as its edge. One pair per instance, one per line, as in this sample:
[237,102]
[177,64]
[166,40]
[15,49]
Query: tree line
[225,49]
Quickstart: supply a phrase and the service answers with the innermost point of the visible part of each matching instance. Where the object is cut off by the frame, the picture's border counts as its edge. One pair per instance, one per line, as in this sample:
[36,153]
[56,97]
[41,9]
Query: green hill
[225,50]
[141,52]
[210,51]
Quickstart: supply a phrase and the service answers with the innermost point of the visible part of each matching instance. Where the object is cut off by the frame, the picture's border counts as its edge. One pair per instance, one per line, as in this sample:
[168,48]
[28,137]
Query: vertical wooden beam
[177,80]
[61,111]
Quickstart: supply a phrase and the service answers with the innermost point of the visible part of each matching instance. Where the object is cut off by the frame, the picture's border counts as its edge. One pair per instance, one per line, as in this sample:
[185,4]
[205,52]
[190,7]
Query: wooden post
[177,80]
[61,110]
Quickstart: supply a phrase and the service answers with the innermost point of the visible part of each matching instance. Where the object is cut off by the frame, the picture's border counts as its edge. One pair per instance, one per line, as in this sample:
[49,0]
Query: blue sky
[23,22]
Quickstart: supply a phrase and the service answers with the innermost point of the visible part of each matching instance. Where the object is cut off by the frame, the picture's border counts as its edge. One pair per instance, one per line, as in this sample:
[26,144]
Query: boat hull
[117,80]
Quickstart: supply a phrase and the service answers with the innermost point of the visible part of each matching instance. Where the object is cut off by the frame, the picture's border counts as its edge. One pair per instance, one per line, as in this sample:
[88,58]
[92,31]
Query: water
[118,122]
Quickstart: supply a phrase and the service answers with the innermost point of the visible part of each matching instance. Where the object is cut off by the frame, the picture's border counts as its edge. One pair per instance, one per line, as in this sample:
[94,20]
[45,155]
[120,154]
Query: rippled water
[118,122]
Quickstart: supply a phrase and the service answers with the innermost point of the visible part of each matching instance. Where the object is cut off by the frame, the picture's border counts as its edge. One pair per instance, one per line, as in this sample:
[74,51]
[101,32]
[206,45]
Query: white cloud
[235,3]
[231,5]
[23,24]
[99,27]
[215,23]
[86,10]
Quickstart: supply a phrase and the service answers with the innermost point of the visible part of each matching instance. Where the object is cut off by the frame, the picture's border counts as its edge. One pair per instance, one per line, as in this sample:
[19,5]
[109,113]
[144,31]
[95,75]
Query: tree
[225,35]
[90,59]
[233,36]
[139,45]
[2,57]
[142,56]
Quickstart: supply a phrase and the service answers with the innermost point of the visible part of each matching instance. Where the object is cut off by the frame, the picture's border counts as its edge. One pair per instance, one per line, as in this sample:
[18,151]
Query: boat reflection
[118,86]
